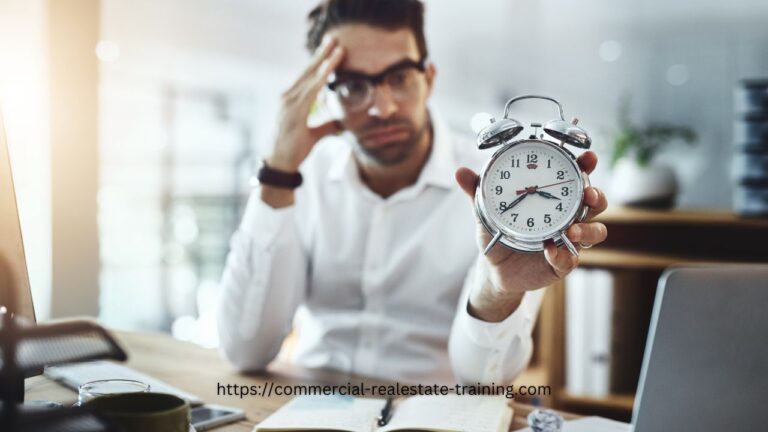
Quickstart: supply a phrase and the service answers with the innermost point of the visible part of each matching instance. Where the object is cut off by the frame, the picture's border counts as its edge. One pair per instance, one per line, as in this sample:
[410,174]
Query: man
[378,249]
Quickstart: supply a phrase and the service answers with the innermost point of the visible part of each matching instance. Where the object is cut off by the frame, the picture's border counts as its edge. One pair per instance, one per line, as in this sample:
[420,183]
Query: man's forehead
[372,49]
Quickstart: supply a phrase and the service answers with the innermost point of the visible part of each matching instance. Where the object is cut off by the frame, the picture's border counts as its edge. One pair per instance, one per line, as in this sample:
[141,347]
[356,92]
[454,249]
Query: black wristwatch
[278,178]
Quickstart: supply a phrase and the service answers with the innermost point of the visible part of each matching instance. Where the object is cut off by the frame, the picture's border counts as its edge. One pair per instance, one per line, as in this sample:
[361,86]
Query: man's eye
[354,87]
[398,78]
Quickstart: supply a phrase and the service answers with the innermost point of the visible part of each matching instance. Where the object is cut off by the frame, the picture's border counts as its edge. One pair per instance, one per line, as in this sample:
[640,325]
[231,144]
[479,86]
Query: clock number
[559,207]
[503,206]
[565,191]
[514,217]
[515,163]
[530,222]
[499,190]
[532,158]
[505,175]
[547,218]
[561,175]
[549,163]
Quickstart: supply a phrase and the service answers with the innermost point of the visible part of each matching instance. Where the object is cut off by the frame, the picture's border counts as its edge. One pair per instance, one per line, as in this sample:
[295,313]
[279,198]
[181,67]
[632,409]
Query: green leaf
[645,142]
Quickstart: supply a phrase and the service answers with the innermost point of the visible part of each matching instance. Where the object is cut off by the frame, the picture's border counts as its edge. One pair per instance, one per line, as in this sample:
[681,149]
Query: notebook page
[451,413]
[340,413]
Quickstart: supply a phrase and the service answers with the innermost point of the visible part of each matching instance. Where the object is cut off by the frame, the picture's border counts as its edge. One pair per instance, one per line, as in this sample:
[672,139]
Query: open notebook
[419,413]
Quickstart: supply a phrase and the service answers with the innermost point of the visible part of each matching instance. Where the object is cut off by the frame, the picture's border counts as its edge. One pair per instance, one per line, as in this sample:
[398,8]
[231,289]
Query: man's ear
[430,72]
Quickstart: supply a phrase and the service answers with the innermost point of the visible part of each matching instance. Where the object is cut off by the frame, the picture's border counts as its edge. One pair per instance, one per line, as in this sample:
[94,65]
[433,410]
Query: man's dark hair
[387,14]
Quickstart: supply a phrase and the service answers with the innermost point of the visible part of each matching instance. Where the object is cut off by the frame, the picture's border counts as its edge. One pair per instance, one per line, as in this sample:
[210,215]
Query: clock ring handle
[518,98]
[568,244]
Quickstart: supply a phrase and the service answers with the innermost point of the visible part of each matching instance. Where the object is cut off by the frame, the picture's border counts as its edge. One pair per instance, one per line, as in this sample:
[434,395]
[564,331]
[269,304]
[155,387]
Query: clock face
[532,190]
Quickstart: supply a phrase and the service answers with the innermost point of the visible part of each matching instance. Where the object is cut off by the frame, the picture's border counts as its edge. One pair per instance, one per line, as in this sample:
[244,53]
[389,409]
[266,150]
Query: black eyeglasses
[355,90]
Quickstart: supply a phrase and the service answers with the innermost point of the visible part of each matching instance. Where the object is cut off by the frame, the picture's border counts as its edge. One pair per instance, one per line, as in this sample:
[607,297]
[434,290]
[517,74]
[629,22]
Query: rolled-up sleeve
[487,352]
[263,283]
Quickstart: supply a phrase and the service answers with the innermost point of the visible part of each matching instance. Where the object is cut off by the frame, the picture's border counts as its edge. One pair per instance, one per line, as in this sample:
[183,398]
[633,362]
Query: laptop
[706,359]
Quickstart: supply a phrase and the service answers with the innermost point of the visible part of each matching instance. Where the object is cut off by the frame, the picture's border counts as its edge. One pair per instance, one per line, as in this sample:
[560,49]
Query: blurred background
[134,126]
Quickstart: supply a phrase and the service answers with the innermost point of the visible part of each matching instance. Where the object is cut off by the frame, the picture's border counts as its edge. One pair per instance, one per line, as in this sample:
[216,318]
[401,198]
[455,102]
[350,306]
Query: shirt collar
[438,171]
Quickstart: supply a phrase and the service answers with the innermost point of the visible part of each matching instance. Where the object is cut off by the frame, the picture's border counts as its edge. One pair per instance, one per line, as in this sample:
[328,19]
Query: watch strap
[279,178]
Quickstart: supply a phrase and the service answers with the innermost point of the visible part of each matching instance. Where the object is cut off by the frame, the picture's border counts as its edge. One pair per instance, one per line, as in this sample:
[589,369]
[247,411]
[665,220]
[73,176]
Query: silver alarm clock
[532,189]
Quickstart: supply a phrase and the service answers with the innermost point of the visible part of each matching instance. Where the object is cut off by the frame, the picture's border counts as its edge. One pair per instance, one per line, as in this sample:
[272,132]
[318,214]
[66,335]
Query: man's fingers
[587,233]
[595,199]
[587,161]
[467,179]
[328,128]
[320,78]
[307,94]
[329,65]
[321,53]
[560,259]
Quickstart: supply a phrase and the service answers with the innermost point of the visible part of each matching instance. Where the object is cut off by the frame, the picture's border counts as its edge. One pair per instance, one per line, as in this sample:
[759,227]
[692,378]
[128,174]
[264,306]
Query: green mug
[143,412]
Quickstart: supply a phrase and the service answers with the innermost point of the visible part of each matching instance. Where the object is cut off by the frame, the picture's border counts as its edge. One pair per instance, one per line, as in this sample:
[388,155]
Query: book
[450,413]
[576,335]
[601,289]
[588,314]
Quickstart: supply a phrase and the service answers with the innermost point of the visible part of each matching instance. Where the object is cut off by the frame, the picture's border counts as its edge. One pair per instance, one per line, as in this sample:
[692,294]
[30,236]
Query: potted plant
[638,179]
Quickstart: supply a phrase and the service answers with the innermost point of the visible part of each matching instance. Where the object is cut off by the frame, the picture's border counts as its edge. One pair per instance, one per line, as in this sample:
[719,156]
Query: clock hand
[547,195]
[535,188]
[514,203]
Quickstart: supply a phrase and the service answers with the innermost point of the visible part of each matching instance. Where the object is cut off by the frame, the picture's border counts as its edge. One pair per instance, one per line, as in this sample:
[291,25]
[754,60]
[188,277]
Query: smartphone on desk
[210,416]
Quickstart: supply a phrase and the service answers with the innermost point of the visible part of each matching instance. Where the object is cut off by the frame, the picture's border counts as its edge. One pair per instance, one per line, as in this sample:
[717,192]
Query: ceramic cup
[143,412]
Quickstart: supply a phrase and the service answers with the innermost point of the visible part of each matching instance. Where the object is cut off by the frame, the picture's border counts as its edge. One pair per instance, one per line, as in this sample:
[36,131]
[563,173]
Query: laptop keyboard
[75,375]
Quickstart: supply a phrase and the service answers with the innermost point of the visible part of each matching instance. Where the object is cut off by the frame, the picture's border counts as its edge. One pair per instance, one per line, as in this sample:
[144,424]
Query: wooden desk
[198,370]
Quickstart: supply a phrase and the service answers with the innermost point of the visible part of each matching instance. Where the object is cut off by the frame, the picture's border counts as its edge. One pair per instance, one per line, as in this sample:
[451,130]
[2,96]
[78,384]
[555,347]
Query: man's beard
[397,151]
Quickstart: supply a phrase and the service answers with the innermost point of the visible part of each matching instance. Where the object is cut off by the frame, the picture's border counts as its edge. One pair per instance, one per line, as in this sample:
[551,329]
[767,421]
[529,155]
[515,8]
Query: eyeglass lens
[357,93]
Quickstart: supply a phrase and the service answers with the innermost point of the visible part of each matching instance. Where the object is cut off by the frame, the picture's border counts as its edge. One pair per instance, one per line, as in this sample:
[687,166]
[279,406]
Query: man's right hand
[294,138]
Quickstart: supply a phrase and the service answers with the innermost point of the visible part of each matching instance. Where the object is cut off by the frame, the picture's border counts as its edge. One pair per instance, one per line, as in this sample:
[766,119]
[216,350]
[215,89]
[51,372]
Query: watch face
[531,190]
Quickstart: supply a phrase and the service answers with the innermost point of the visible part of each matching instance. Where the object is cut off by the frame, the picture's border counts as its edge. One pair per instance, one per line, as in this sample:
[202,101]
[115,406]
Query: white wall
[552,47]
[485,52]
[208,51]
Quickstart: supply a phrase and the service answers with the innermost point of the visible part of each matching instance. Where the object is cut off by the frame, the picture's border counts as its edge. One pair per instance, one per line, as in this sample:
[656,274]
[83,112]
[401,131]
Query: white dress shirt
[380,284]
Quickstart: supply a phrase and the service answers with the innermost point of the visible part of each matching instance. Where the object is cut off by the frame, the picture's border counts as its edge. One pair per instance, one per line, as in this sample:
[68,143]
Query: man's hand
[294,138]
[510,273]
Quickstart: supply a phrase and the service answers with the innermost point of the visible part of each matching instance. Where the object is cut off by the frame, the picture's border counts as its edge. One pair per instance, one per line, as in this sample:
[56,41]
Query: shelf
[629,215]
[533,375]
[620,259]
[641,243]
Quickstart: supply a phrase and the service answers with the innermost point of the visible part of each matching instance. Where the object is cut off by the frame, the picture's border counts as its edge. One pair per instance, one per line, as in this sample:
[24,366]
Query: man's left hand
[511,273]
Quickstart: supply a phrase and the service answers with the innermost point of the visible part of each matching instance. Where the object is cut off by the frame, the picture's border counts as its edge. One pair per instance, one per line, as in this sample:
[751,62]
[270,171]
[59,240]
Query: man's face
[390,127]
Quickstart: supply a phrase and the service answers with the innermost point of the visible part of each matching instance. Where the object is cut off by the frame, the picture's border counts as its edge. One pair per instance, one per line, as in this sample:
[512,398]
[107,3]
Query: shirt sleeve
[263,283]
[491,352]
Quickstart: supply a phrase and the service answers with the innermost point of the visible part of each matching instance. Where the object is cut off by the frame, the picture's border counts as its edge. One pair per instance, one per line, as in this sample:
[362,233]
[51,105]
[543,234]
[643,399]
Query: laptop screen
[14,280]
